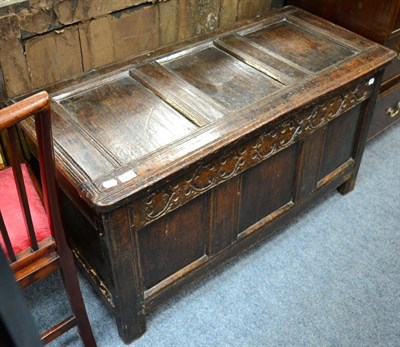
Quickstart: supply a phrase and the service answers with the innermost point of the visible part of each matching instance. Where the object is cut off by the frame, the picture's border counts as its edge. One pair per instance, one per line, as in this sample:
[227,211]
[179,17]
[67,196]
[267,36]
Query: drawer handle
[393,111]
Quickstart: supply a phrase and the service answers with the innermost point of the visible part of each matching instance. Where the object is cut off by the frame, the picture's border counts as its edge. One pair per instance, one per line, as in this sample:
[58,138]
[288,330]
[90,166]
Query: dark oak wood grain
[136,117]
[185,158]
[184,230]
[222,77]
[378,21]
[274,188]
[310,155]
[223,230]
[181,95]
[301,47]
[260,59]
[124,261]
[338,142]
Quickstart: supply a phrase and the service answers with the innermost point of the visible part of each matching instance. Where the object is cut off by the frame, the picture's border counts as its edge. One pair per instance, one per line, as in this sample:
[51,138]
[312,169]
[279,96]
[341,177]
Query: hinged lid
[134,128]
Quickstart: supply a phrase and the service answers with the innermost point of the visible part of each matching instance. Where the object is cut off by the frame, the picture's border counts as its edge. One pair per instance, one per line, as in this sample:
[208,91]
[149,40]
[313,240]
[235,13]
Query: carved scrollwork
[231,163]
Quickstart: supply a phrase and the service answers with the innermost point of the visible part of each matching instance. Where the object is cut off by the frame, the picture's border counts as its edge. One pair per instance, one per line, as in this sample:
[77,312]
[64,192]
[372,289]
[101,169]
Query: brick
[97,43]
[14,67]
[54,56]
[9,27]
[168,22]
[135,31]
[35,21]
[71,11]
[228,13]
[197,17]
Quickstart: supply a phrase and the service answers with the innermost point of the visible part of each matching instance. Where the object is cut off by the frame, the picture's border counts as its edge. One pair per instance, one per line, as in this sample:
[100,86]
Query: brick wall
[46,41]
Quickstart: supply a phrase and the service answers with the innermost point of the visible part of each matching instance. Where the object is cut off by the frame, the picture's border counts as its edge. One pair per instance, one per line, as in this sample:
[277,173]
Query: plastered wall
[46,41]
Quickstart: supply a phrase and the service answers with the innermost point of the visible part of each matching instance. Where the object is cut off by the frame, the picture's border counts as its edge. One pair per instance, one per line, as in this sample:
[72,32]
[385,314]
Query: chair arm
[14,113]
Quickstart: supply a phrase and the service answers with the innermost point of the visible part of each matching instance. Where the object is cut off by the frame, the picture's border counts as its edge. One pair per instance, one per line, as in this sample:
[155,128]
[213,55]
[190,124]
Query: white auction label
[125,177]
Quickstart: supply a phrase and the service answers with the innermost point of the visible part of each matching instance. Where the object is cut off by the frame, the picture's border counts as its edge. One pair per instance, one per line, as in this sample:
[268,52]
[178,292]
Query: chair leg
[70,279]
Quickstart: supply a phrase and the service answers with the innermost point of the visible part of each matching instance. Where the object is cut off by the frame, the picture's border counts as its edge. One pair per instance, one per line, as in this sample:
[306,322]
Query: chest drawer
[387,111]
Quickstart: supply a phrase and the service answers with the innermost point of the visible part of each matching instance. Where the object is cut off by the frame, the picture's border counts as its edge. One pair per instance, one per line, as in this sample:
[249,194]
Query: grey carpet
[331,278]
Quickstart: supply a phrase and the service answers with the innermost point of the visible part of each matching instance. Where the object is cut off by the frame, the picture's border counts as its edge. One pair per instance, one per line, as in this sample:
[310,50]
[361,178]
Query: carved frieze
[236,160]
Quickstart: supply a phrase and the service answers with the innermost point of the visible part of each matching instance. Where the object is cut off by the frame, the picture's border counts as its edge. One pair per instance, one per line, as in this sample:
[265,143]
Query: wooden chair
[30,219]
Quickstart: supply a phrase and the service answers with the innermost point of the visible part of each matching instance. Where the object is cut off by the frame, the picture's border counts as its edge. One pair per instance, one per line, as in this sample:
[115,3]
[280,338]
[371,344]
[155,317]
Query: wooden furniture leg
[126,274]
[366,114]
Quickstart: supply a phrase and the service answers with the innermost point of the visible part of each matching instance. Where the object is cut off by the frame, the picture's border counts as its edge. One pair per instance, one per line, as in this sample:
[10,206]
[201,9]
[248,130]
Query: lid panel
[261,59]
[71,142]
[126,119]
[310,51]
[228,81]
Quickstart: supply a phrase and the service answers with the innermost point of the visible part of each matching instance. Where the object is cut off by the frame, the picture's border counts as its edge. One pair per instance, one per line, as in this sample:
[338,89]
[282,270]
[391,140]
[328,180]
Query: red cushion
[13,215]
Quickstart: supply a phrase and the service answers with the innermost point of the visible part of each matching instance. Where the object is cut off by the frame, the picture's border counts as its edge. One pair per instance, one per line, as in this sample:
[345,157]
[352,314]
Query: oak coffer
[183,158]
